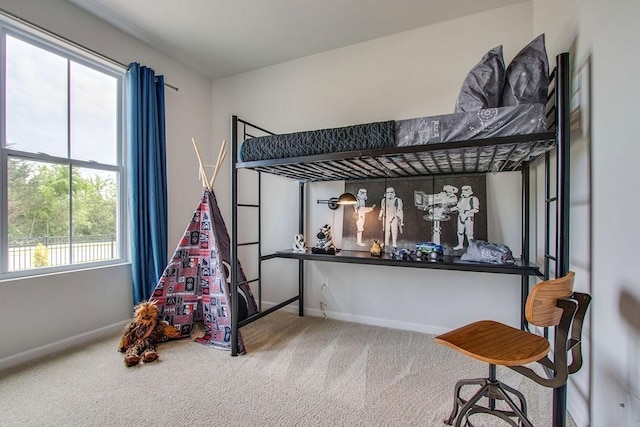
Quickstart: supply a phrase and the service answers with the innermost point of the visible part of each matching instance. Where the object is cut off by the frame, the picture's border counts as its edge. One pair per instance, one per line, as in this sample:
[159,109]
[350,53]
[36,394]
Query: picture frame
[402,212]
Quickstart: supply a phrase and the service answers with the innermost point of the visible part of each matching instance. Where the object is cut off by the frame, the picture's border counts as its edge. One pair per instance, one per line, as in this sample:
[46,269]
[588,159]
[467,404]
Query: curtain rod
[66,40]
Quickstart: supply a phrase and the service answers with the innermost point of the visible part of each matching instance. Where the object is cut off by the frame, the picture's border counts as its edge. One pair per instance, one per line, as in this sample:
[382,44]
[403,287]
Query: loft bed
[360,158]
[515,151]
[349,154]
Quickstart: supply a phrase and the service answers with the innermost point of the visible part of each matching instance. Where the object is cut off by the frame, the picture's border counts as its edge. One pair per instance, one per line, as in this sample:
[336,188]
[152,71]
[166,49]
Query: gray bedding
[492,122]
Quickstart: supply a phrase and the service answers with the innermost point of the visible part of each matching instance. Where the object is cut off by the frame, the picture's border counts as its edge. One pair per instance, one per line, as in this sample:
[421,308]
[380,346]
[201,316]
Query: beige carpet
[297,372]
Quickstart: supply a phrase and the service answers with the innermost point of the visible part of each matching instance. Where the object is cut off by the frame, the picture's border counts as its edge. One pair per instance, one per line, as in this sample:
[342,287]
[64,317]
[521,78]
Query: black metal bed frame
[425,160]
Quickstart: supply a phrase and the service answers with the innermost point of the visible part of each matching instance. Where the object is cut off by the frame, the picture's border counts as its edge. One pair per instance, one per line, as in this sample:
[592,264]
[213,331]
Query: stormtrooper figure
[468,205]
[391,210]
[361,212]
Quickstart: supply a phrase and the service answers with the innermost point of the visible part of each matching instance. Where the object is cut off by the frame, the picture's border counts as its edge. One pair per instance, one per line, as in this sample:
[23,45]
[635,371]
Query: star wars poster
[401,212]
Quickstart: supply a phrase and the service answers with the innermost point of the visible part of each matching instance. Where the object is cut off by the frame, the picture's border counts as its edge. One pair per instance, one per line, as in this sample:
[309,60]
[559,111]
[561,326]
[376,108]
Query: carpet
[298,371]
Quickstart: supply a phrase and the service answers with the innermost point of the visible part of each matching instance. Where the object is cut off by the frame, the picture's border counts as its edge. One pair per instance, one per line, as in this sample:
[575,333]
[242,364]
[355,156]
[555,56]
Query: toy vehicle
[429,251]
[401,254]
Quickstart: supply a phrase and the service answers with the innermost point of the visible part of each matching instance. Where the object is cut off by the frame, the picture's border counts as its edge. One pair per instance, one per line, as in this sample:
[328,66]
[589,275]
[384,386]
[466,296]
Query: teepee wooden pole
[202,173]
[221,155]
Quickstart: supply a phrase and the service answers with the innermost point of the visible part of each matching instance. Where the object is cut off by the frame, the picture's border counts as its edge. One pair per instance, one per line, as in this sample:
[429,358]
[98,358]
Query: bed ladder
[234,279]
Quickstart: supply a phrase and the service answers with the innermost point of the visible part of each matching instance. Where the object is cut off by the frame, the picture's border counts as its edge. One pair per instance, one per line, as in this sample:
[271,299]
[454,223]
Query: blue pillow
[527,76]
[482,88]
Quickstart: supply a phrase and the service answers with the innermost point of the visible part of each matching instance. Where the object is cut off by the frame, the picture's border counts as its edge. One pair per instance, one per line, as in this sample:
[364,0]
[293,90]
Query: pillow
[483,85]
[527,76]
[492,253]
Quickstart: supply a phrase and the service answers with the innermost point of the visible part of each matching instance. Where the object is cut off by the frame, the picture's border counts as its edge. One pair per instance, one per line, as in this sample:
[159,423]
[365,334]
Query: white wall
[412,74]
[606,33]
[51,312]
[416,73]
[560,22]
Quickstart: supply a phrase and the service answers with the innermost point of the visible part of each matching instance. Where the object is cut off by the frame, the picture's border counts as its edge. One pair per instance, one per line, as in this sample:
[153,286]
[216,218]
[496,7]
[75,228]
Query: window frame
[50,42]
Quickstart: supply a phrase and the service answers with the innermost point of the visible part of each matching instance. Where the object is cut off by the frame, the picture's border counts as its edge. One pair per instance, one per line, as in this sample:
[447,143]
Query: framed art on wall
[401,212]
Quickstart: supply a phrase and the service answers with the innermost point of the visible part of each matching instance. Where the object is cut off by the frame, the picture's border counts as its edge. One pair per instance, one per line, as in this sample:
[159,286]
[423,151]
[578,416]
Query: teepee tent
[194,286]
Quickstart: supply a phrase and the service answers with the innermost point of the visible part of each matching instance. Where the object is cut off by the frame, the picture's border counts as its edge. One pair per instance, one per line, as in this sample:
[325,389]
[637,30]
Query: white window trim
[31,33]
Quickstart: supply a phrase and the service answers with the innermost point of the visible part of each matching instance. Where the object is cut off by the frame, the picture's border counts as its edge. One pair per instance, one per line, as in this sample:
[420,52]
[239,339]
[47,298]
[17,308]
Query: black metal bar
[526,231]
[517,164]
[259,241]
[301,201]
[493,156]
[464,161]
[547,214]
[234,237]
[435,162]
[246,205]
[250,243]
[563,97]
[449,161]
[246,123]
[261,314]
[564,162]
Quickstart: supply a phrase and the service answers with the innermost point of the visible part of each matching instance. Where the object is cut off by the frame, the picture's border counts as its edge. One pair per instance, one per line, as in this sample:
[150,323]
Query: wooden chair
[551,303]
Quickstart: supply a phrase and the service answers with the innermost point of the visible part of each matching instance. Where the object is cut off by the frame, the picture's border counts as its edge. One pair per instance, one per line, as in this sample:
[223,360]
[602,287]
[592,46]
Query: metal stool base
[492,390]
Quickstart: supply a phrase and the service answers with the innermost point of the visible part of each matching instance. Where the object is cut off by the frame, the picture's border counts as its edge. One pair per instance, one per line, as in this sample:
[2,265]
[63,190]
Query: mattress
[492,122]
[367,136]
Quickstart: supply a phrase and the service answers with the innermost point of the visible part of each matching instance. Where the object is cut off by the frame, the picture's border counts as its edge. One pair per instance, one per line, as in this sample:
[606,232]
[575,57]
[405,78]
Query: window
[62,180]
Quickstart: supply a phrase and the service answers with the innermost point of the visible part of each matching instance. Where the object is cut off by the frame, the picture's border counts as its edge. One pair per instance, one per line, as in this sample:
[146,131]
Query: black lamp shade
[344,199]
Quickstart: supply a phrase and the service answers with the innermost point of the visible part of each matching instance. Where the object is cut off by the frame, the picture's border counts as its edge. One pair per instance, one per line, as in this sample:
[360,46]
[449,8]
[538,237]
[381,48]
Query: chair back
[542,308]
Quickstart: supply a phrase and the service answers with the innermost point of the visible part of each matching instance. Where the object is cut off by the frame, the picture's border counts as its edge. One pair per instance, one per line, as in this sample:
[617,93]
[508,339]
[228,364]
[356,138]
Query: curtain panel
[147,178]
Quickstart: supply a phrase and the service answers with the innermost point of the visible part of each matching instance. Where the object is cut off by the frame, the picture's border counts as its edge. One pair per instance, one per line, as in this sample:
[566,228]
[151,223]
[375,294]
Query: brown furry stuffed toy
[143,333]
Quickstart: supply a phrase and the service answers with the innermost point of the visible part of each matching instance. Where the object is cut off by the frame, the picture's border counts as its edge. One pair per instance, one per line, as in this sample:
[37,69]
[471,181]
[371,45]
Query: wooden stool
[550,303]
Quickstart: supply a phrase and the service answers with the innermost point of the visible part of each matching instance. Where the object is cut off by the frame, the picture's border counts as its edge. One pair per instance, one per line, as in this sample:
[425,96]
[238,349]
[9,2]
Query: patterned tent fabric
[194,285]
[350,138]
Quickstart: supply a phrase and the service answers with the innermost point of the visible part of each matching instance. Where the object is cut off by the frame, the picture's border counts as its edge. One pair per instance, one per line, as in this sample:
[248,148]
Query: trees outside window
[62,143]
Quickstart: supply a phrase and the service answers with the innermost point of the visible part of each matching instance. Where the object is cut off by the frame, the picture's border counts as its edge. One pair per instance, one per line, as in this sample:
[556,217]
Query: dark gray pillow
[492,253]
[482,88]
[527,76]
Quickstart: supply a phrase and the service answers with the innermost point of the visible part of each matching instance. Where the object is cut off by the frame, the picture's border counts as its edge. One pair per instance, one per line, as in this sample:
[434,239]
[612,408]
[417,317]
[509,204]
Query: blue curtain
[147,179]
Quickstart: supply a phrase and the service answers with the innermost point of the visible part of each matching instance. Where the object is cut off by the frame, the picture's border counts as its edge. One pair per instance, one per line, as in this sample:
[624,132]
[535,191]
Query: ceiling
[219,38]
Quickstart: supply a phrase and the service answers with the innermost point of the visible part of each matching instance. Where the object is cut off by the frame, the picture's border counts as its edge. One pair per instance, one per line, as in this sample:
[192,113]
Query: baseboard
[577,406]
[366,320]
[61,345]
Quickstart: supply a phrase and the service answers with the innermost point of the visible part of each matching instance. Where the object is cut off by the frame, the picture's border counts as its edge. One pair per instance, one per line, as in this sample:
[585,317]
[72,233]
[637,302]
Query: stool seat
[495,343]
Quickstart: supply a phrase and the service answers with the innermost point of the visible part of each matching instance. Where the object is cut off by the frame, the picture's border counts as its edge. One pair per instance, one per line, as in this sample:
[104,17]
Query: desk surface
[520,268]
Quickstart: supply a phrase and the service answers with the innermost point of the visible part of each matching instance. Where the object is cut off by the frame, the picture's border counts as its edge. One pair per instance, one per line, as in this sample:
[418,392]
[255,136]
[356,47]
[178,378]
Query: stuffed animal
[325,242]
[143,333]
[376,248]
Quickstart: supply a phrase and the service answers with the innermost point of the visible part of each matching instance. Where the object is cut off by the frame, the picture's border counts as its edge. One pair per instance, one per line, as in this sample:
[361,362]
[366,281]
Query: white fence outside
[23,256]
